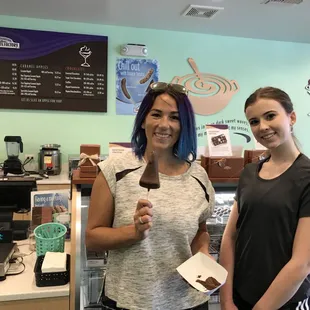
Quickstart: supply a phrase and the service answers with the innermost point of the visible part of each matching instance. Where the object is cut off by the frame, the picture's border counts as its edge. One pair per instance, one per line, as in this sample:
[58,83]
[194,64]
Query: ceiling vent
[201,11]
[282,1]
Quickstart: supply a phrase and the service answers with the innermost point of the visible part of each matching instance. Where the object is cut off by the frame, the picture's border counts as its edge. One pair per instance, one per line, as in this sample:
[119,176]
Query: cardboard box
[88,171]
[92,150]
[253,156]
[223,167]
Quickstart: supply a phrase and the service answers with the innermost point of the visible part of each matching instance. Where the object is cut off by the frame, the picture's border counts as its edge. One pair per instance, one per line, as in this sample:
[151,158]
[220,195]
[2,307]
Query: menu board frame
[47,70]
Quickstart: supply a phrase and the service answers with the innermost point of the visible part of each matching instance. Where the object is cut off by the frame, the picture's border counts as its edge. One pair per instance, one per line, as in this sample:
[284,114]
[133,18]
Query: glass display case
[224,199]
[89,267]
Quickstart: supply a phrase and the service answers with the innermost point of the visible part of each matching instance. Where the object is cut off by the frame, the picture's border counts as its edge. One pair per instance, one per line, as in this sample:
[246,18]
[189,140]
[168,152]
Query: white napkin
[54,262]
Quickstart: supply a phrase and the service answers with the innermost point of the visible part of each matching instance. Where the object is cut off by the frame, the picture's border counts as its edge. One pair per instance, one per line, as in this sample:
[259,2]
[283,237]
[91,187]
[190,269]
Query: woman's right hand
[143,218]
[228,305]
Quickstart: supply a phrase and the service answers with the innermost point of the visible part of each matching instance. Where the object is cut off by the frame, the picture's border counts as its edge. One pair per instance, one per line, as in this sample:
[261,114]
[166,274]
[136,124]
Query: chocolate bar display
[218,140]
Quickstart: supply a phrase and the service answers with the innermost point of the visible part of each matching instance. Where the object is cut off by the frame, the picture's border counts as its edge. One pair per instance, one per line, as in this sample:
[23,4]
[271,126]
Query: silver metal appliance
[50,159]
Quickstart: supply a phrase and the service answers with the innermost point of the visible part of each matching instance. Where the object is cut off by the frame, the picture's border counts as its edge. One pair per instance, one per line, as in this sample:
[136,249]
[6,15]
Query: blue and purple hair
[185,148]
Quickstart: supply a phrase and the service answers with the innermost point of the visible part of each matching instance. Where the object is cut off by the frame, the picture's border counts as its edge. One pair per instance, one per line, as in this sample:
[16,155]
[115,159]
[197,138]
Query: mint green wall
[253,63]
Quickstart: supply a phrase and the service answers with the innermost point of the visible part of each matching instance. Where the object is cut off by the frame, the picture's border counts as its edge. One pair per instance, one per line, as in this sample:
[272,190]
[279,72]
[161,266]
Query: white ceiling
[243,18]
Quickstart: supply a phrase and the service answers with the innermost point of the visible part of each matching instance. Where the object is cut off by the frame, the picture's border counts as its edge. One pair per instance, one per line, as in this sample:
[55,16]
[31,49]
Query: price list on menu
[9,81]
[52,71]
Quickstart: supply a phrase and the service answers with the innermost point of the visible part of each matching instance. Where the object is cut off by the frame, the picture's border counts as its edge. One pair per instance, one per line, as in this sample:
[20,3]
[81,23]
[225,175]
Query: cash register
[15,197]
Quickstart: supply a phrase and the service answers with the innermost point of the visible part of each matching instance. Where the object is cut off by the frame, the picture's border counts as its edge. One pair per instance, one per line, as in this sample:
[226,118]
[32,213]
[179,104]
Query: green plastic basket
[50,237]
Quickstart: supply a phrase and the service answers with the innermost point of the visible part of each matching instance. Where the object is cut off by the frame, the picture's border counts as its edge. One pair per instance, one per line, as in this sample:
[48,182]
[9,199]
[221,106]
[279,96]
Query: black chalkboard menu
[44,70]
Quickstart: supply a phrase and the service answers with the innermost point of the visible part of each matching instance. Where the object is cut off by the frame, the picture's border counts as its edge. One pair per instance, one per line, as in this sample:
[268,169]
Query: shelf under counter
[20,291]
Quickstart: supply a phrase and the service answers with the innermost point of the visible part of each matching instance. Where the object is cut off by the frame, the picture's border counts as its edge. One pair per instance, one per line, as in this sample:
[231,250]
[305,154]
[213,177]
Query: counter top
[22,286]
[62,178]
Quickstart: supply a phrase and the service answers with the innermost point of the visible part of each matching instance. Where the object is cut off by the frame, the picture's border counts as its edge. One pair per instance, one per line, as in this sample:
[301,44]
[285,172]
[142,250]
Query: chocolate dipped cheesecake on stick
[150,176]
[210,283]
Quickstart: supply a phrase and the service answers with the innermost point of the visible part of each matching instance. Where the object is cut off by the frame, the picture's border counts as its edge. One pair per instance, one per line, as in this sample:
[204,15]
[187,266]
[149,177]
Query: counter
[62,178]
[22,287]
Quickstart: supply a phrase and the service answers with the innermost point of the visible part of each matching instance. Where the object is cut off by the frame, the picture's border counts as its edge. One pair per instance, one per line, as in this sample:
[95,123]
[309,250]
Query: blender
[14,145]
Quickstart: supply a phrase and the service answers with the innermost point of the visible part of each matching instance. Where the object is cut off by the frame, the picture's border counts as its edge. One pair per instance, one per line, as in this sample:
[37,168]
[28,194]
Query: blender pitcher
[14,144]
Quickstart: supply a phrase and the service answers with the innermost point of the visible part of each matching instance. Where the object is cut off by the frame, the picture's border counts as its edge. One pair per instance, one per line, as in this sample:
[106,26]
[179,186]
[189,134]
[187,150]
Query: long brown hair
[276,94]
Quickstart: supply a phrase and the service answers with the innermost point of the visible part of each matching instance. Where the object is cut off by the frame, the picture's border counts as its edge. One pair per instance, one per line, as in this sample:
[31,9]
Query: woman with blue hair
[148,239]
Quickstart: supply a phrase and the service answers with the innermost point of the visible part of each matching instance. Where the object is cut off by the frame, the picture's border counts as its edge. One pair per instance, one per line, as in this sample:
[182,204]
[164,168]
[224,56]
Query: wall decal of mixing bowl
[209,93]
[308,87]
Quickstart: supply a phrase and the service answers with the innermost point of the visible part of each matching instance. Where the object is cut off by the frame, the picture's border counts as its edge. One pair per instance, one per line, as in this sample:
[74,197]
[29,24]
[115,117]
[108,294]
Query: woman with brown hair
[265,246]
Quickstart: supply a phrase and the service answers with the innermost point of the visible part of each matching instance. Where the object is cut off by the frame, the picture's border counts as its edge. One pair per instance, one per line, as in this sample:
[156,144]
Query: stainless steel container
[50,159]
